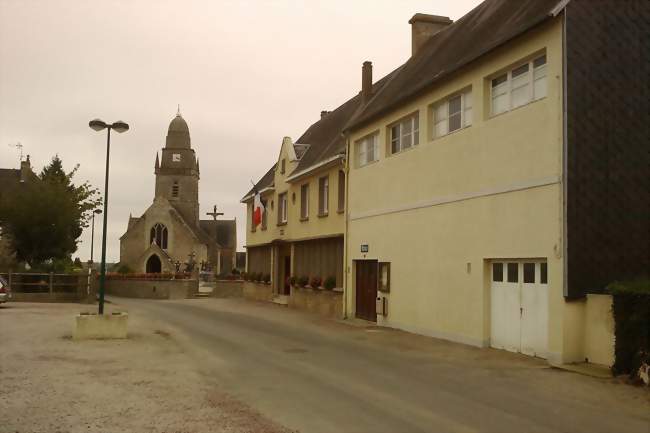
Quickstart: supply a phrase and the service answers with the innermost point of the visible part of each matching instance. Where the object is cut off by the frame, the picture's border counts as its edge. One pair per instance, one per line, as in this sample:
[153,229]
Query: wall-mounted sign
[364,248]
[383,282]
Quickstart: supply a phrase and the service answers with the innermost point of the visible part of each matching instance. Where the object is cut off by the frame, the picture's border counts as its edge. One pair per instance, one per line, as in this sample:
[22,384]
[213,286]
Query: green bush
[631,310]
[303,281]
[124,269]
[330,283]
[292,281]
[266,278]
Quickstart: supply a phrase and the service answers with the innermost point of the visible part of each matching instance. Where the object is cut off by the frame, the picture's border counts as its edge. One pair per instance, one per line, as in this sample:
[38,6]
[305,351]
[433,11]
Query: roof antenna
[178,112]
[20,149]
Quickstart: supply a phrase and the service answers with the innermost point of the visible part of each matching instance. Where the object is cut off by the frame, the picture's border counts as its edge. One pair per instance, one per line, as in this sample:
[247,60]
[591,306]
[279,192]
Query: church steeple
[177,171]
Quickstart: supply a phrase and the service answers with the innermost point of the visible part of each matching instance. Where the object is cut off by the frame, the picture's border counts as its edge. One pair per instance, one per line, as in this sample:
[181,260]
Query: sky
[245,73]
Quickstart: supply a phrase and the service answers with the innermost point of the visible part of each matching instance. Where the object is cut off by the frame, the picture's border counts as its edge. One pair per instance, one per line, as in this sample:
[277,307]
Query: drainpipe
[346,273]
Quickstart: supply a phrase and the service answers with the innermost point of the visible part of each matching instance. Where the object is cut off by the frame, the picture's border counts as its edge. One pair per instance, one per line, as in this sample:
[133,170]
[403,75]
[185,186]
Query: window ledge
[340,211]
[405,150]
[282,223]
[304,219]
[367,164]
[494,116]
[323,215]
[453,132]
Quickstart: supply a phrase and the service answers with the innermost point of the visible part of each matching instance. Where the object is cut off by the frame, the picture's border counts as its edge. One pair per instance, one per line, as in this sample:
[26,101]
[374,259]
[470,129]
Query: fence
[42,287]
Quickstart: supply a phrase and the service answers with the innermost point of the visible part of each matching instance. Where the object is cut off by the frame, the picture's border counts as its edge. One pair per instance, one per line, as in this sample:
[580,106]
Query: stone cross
[214,214]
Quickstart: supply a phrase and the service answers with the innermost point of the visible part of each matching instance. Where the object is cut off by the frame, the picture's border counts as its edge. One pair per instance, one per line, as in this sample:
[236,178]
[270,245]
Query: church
[170,233]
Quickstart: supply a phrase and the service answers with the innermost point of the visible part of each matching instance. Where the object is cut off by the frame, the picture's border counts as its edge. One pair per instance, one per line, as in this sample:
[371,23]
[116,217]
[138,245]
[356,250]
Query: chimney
[424,26]
[366,81]
[324,113]
[25,170]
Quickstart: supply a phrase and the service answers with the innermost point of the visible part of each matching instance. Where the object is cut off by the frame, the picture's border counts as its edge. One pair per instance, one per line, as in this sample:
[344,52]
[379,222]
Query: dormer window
[175,189]
[282,166]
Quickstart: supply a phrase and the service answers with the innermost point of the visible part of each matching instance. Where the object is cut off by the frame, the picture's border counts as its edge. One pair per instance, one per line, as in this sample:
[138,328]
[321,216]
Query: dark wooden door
[366,289]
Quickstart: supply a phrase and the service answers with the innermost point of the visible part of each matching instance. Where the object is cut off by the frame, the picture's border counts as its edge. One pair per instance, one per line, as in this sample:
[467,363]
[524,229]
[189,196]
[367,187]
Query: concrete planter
[100,327]
[257,291]
[326,303]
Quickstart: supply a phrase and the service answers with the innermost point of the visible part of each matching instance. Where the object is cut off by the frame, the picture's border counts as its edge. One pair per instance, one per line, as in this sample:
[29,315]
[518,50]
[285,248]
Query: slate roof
[8,175]
[220,231]
[264,182]
[486,27]
[324,138]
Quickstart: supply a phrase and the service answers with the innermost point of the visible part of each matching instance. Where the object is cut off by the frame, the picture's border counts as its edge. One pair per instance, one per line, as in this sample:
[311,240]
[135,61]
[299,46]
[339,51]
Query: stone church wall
[152,289]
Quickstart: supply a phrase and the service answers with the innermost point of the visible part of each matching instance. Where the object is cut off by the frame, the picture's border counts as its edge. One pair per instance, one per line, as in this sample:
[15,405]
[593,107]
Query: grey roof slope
[219,231]
[265,181]
[324,137]
[486,27]
[8,175]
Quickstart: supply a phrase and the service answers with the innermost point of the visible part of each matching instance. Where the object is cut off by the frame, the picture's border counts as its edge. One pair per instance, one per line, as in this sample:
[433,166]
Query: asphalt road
[316,375]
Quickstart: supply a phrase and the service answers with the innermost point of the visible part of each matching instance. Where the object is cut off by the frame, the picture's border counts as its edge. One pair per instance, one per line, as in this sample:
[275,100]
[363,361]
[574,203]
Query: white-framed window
[453,113]
[519,86]
[282,208]
[405,133]
[323,195]
[367,149]
[304,201]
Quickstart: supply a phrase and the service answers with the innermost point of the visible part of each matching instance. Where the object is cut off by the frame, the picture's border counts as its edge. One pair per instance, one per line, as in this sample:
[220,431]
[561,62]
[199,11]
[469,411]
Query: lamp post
[92,235]
[120,127]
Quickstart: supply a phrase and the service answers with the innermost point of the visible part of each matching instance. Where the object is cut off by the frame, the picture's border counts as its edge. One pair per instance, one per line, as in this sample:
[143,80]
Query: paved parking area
[228,365]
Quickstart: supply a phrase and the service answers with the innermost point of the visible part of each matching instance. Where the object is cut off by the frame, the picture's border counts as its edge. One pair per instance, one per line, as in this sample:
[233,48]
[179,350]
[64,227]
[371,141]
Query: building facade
[170,232]
[485,213]
[302,229]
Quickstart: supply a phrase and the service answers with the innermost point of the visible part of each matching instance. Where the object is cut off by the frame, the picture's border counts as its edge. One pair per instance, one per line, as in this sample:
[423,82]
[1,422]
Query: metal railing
[46,282]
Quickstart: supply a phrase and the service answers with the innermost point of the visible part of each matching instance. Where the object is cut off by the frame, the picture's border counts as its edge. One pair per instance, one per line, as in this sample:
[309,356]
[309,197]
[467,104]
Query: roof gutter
[314,167]
[559,8]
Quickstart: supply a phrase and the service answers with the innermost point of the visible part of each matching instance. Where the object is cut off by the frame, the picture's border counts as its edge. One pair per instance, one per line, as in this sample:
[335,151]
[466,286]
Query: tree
[45,217]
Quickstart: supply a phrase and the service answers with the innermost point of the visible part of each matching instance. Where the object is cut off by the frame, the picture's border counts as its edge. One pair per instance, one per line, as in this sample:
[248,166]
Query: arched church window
[158,234]
[175,189]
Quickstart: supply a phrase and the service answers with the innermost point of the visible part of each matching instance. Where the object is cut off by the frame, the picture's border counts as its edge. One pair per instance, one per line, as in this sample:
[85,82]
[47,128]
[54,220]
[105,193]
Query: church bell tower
[177,172]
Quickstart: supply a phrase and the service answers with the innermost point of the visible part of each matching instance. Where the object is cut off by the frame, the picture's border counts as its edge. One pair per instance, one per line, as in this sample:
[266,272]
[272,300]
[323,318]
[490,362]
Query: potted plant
[303,281]
[315,282]
[291,280]
[266,278]
[330,283]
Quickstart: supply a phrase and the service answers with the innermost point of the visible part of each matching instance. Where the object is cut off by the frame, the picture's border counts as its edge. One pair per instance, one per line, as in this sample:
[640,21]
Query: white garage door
[520,306]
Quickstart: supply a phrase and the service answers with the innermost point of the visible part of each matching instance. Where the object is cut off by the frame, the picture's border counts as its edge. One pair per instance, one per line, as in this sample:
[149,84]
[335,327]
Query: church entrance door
[153,265]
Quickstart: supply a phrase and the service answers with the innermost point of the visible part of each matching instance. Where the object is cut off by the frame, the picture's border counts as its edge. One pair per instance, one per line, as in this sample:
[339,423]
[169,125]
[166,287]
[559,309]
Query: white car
[5,291]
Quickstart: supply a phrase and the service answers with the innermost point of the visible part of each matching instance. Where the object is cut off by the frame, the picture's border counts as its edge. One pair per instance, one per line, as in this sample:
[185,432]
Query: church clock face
[176,157]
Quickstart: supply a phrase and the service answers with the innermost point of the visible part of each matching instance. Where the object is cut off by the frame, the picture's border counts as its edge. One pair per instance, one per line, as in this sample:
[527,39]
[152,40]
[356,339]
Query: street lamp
[120,127]
[92,235]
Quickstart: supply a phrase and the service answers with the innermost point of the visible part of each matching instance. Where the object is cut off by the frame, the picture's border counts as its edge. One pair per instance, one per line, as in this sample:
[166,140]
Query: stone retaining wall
[257,291]
[323,302]
[152,289]
[228,289]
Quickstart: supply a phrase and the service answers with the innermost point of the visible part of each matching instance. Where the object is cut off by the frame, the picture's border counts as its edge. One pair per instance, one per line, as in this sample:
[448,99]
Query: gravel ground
[52,384]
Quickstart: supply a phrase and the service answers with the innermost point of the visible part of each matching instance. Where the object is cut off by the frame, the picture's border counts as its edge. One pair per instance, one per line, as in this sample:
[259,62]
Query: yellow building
[461,222]
[484,192]
[301,234]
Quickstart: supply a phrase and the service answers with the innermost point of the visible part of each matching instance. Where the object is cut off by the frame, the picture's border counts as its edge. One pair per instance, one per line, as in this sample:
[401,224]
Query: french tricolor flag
[258,208]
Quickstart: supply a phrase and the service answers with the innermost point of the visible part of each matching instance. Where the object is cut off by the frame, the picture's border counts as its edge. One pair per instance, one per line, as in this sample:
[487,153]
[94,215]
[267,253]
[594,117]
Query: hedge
[631,310]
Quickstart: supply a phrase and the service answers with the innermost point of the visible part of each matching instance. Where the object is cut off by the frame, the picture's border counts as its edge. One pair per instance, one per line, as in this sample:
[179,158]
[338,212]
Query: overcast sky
[245,73]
